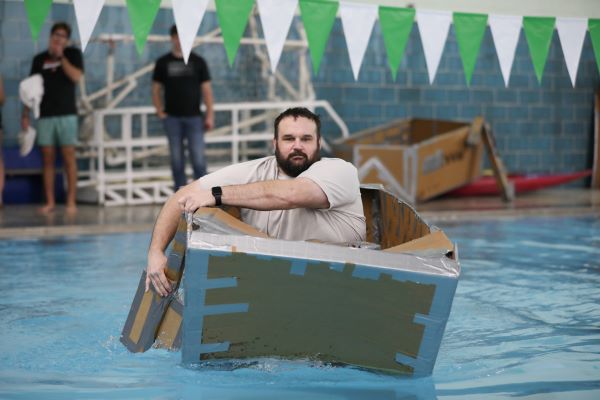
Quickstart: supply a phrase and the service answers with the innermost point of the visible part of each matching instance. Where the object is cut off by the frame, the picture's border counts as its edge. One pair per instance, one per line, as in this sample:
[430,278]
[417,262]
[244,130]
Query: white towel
[31,91]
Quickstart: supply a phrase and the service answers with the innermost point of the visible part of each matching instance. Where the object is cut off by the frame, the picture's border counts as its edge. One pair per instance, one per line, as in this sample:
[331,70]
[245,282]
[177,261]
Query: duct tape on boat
[433,162]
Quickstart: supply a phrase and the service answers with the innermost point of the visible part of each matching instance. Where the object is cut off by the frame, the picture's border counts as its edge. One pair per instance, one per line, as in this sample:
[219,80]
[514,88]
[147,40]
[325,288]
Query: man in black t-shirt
[185,86]
[61,68]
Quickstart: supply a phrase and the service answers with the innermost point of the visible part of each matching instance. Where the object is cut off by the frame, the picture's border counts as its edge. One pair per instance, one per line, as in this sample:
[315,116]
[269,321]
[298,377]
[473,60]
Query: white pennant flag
[433,28]
[87,13]
[505,32]
[571,32]
[188,15]
[276,17]
[357,22]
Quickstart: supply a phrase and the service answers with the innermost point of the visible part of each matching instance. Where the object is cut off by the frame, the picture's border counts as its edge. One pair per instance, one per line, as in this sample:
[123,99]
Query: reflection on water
[524,323]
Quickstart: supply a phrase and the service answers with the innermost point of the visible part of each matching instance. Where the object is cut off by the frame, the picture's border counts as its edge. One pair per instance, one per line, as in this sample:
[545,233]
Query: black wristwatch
[217,192]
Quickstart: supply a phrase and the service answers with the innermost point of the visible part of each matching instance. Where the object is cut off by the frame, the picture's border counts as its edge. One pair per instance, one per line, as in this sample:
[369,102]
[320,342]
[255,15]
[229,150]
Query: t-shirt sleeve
[236,174]
[75,57]
[36,67]
[159,71]
[337,178]
[203,72]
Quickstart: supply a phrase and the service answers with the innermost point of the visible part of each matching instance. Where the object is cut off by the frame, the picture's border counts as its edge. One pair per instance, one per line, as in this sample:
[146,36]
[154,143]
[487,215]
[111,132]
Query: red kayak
[487,186]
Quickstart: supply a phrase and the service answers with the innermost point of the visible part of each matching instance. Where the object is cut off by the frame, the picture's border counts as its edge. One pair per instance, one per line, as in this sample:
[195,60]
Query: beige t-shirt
[344,221]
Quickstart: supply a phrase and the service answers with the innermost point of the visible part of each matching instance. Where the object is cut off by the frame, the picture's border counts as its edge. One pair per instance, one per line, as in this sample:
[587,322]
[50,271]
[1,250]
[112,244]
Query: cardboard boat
[416,159]
[381,304]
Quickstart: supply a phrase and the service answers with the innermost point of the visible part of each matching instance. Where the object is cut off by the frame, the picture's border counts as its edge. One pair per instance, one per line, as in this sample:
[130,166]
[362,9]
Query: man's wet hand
[155,273]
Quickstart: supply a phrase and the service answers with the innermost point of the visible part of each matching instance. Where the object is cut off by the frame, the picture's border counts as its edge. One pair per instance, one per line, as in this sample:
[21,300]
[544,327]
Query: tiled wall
[538,128]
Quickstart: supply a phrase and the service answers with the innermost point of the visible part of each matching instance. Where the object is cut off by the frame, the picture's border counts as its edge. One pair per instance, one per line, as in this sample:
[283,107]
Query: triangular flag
[433,28]
[594,28]
[396,24]
[571,32]
[37,11]
[505,32]
[87,13]
[188,15]
[469,30]
[141,15]
[538,32]
[276,17]
[357,23]
[318,17]
[233,18]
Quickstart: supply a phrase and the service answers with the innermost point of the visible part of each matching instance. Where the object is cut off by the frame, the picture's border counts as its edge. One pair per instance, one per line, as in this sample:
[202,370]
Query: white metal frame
[114,179]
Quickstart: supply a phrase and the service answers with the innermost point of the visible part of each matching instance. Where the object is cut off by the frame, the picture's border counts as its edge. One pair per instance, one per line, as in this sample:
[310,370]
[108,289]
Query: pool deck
[24,220]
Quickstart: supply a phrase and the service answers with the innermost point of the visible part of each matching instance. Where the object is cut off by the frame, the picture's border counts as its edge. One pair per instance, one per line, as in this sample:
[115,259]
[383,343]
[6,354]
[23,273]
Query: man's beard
[292,168]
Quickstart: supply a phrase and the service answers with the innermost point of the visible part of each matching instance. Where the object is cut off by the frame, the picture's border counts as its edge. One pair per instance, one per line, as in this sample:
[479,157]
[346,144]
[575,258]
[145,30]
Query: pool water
[525,323]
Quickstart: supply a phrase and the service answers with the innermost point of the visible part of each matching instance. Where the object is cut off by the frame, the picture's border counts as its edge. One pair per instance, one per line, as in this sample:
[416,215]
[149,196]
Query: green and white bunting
[357,22]
[396,24]
[276,17]
[233,18]
[188,15]
[505,32]
[433,27]
[142,14]
[538,31]
[594,29]
[469,29]
[37,11]
[571,32]
[318,17]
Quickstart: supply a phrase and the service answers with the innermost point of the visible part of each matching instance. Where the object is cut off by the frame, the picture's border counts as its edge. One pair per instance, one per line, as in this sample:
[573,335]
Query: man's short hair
[296,112]
[61,25]
[173,30]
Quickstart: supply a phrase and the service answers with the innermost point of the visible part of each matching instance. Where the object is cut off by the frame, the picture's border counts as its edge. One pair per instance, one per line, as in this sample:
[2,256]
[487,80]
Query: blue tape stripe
[298,267]
[224,309]
[335,266]
[366,272]
[213,347]
[406,360]
[218,283]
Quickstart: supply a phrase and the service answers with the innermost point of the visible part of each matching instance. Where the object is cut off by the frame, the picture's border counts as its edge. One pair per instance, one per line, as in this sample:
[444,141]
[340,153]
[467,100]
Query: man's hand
[155,273]
[194,198]
[209,121]
[161,114]
[24,122]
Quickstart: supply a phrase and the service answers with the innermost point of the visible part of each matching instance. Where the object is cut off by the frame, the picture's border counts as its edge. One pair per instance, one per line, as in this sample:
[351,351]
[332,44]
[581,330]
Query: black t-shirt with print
[181,83]
[59,90]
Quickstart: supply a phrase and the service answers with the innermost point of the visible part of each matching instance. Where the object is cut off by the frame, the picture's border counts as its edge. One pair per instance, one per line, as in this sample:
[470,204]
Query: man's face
[57,42]
[175,44]
[296,146]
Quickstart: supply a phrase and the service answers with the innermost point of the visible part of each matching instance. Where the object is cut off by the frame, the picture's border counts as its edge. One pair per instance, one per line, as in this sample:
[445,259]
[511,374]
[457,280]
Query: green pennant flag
[37,11]
[538,32]
[233,18]
[318,17]
[594,29]
[141,15]
[469,30]
[396,24]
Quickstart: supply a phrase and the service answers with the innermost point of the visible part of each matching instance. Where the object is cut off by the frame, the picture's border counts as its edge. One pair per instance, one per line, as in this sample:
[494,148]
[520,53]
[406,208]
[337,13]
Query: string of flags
[318,17]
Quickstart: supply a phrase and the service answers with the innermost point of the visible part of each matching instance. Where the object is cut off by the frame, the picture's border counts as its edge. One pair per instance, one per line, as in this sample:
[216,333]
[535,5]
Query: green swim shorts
[57,131]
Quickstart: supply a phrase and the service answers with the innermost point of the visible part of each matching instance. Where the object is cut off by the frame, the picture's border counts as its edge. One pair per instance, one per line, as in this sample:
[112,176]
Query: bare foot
[47,209]
[71,209]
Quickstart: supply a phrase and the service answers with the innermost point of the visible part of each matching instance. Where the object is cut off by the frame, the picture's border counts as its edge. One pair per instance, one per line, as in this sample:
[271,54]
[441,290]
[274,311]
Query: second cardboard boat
[381,304]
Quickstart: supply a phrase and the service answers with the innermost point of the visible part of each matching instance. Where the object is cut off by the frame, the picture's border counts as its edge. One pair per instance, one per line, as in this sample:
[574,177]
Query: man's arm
[207,97]
[267,195]
[72,72]
[1,92]
[157,99]
[264,196]
[25,118]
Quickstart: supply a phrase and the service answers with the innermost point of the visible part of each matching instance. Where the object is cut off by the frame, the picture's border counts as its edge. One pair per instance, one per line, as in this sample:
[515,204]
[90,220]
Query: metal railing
[128,167]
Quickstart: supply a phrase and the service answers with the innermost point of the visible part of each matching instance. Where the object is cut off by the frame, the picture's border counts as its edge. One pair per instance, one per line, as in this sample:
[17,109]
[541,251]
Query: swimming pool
[525,322]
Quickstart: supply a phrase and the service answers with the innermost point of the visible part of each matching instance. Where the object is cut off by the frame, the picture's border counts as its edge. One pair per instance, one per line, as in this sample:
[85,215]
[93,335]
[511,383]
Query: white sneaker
[26,141]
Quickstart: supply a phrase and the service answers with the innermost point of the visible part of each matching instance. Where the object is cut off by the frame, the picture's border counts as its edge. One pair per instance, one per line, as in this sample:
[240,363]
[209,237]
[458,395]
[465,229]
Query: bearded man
[293,195]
